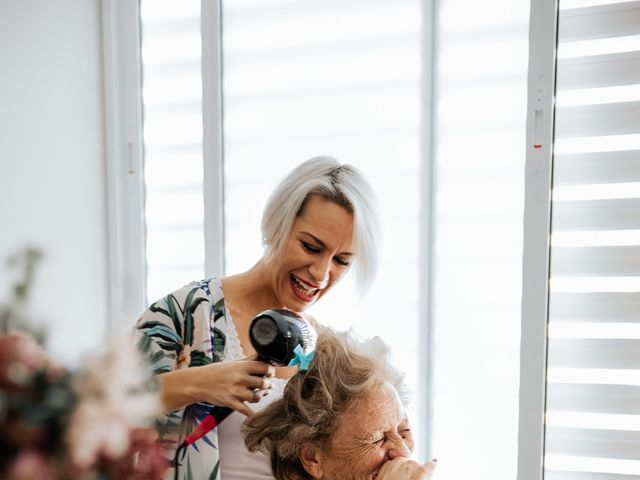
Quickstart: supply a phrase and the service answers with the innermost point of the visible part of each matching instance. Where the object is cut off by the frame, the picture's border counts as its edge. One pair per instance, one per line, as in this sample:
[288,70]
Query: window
[172,112]
[428,100]
[480,113]
[339,78]
[593,383]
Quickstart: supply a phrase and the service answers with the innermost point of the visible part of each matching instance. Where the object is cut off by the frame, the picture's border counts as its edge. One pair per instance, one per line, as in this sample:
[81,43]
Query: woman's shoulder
[177,328]
[193,299]
[208,289]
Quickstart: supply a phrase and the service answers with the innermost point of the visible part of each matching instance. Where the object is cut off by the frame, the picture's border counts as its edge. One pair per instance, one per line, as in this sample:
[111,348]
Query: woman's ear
[311,458]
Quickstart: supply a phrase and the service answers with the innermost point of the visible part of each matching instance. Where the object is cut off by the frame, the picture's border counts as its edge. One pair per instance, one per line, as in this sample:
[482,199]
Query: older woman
[342,419]
[319,223]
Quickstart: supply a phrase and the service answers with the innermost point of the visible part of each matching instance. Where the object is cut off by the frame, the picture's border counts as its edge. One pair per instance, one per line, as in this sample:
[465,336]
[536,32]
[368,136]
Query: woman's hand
[402,468]
[224,384]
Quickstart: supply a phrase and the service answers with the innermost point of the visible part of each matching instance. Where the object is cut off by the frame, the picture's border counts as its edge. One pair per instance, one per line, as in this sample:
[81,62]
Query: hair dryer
[274,334]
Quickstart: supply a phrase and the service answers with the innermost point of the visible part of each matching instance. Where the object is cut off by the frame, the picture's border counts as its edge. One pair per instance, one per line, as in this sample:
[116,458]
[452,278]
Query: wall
[52,172]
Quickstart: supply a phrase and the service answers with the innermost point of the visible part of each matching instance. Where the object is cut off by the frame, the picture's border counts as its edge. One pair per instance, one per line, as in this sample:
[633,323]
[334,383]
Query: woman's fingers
[247,395]
[242,408]
[252,382]
[262,369]
[257,375]
[231,384]
[431,466]
[402,468]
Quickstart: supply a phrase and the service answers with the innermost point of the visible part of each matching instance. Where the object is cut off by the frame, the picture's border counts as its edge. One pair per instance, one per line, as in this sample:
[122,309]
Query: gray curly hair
[343,371]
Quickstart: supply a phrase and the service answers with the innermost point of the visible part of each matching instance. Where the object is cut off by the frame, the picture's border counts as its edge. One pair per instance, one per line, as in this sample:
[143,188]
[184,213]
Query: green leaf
[189,472]
[199,359]
[214,472]
[173,314]
[219,310]
[190,306]
[156,329]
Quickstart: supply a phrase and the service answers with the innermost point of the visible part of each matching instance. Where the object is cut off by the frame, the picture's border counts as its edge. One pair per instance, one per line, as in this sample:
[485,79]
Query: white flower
[113,399]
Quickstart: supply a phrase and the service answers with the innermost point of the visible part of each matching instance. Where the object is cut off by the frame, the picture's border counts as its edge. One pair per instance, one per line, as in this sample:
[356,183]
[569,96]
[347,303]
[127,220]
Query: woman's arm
[177,389]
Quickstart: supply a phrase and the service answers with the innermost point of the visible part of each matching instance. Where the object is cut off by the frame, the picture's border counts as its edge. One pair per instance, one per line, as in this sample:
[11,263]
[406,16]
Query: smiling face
[371,432]
[316,254]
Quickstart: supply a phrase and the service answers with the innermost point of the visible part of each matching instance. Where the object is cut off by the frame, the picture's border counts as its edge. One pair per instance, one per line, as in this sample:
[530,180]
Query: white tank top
[236,462]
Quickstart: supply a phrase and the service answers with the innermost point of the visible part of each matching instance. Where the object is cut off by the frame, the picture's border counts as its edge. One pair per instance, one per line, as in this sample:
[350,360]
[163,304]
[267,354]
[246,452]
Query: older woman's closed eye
[343,419]
[382,406]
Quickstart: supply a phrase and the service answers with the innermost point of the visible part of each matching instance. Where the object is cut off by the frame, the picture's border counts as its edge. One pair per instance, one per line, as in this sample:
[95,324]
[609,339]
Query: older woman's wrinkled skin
[373,440]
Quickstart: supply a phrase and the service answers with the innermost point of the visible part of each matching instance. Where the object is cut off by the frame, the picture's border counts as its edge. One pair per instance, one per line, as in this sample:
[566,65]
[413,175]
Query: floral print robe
[186,329]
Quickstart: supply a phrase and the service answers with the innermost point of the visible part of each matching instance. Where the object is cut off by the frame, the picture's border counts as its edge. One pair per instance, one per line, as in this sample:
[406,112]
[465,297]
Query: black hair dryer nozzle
[275,334]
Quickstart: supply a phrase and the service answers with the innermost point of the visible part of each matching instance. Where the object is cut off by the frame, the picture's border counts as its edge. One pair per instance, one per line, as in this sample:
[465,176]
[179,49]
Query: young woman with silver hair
[319,223]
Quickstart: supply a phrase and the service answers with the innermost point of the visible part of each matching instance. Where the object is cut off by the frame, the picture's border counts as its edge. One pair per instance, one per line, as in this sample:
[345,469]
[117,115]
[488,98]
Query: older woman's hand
[402,468]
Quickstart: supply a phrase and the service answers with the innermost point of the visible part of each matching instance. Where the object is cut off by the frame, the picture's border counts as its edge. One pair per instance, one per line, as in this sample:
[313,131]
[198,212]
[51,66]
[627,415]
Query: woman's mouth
[303,290]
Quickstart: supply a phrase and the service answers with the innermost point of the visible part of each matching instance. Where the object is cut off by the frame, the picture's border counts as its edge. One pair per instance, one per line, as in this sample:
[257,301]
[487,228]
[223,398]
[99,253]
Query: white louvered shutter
[593,384]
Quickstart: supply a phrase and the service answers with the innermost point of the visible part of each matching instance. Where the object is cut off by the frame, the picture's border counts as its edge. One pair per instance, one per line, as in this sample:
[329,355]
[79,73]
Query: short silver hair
[329,179]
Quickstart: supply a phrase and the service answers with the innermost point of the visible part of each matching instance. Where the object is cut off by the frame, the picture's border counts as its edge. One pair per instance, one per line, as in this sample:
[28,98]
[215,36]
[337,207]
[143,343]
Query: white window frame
[125,158]
[535,266]
[124,162]
[430,13]
[213,183]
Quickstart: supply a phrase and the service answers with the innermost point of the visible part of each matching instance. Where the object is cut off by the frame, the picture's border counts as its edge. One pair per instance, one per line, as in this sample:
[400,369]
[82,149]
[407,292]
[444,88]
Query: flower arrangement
[94,423]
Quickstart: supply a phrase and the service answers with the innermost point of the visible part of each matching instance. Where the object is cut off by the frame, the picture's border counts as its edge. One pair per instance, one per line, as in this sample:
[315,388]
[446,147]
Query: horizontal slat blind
[599,70]
[622,399]
[600,21]
[590,353]
[596,306]
[172,103]
[611,214]
[555,475]
[598,167]
[593,393]
[586,442]
[591,120]
[596,261]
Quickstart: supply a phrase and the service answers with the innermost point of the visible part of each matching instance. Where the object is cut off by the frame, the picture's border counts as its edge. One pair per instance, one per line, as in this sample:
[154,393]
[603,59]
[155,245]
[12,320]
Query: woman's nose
[320,269]
[398,448]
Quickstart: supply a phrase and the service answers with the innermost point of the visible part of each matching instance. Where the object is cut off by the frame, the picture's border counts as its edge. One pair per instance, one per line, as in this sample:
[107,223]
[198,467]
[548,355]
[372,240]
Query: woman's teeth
[306,290]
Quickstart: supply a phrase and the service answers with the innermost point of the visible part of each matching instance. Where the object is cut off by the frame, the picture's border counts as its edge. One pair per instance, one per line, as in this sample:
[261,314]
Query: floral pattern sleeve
[179,331]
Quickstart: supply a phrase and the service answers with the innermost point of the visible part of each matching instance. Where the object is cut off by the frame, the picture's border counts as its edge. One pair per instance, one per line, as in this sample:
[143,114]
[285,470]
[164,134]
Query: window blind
[593,384]
[172,111]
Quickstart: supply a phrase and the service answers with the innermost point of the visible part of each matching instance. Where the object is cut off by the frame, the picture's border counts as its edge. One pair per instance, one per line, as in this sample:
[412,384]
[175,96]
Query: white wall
[52,172]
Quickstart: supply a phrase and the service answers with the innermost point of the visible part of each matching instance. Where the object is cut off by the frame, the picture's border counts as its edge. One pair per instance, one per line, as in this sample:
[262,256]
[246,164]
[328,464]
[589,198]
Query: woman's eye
[380,441]
[405,432]
[310,248]
[341,262]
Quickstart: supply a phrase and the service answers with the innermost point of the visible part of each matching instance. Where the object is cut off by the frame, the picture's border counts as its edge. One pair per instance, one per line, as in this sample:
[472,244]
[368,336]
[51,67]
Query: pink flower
[20,357]
[29,464]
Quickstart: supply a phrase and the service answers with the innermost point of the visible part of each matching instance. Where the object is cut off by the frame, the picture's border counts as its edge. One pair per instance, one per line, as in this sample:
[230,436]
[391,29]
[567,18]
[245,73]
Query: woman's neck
[250,292]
